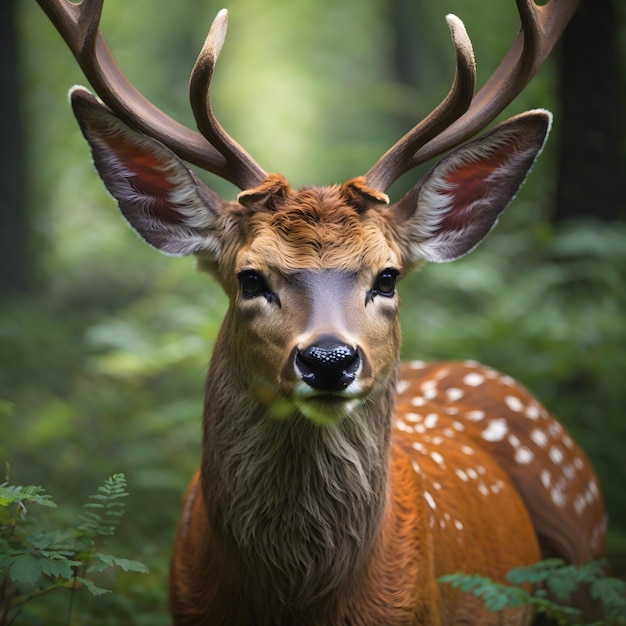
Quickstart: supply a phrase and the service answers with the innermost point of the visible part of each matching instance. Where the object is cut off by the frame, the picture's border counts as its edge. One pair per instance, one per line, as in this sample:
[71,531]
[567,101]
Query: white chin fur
[326,413]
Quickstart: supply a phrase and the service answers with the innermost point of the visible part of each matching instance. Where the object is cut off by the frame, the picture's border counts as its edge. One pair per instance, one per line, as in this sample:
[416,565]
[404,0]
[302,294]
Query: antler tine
[396,161]
[541,27]
[208,125]
[78,25]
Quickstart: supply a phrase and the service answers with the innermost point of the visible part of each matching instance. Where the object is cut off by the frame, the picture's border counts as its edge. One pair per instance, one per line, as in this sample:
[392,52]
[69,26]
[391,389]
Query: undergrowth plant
[35,561]
[548,586]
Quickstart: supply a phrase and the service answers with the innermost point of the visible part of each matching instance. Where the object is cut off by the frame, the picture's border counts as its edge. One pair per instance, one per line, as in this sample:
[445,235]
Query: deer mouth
[327,408]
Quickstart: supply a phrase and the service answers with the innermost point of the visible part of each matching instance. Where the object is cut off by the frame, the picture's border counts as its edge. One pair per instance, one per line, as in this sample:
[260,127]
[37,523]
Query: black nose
[328,364]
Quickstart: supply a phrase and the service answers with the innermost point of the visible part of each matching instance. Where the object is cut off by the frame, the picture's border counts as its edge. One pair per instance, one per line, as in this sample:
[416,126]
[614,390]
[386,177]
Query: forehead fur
[315,228]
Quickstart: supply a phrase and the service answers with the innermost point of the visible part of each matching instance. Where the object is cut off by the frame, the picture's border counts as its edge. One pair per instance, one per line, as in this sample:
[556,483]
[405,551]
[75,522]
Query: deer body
[337,485]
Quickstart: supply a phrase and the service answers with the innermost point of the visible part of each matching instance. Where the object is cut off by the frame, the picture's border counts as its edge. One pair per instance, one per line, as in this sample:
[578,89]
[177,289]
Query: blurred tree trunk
[591,180]
[15,262]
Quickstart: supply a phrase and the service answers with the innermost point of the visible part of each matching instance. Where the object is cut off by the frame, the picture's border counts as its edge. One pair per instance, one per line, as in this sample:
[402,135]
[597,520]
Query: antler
[452,122]
[216,151]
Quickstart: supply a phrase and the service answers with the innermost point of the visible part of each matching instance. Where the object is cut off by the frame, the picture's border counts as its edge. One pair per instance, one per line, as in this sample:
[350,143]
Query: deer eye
[385,284]
[252,284]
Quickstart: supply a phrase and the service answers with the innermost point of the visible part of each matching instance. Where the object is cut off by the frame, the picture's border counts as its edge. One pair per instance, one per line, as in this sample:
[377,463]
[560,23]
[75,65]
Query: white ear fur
[452,209]
[160,197]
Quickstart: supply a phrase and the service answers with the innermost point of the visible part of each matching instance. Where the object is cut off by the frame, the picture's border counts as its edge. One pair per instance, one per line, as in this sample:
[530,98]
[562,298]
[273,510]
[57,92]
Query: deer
[336,484]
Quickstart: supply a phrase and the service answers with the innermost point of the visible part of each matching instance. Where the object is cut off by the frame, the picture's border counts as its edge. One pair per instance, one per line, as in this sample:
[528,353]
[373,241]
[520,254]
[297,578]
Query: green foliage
[553,585]
[35,561]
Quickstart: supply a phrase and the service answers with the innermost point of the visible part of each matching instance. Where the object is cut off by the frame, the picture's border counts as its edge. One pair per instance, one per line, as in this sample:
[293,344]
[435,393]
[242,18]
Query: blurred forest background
[104,342]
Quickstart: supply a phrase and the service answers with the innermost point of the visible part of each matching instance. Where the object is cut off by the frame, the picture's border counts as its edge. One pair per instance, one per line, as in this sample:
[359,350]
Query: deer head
[311,273]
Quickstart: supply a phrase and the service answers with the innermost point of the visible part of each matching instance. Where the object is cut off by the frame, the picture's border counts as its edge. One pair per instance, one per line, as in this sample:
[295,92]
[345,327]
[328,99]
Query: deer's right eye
[252,284]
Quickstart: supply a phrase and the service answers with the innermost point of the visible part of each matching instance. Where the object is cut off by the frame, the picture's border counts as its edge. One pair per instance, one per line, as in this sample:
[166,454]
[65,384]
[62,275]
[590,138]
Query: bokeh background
[104,342]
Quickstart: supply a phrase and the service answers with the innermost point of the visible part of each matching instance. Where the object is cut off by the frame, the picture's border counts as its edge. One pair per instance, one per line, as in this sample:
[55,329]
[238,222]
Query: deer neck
[295,505]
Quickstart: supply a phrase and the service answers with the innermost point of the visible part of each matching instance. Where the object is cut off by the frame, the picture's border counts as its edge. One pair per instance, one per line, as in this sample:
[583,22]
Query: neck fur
[297,507]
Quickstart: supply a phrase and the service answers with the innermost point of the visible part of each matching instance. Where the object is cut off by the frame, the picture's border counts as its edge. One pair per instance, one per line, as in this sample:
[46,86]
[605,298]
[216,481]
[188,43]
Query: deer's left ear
[451,210]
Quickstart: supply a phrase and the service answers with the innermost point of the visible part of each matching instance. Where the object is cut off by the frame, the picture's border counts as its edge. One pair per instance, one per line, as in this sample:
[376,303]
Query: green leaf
[93,589]
[25,569]
[106,560]
[11,494]
[56,568]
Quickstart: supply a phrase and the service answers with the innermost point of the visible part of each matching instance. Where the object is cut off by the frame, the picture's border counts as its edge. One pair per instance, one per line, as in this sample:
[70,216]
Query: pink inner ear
[147,176]
[470,183]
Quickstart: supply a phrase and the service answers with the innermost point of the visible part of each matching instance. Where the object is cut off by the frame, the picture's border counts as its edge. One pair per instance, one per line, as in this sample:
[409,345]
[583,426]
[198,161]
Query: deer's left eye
[385,284]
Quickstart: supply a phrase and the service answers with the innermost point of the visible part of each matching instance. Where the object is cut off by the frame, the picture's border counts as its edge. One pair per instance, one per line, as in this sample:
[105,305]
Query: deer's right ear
[160,197]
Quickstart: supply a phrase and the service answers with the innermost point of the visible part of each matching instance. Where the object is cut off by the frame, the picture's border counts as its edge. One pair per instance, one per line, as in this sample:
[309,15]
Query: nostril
[328,364]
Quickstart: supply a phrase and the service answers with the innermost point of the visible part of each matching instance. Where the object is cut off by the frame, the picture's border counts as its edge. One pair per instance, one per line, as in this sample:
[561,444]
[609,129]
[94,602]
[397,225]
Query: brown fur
[292,523]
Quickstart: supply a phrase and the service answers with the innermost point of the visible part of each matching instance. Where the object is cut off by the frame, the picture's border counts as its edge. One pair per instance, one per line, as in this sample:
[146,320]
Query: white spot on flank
[461,474]
[428,384]
[569,472]
[545,478]
[402,386]
[555,429]
[454,394]
[437,458]
[400,425]
[514,441]
[471,363]
[413,417]
[514,403]
[430,394]
[578,463]
[580,504]
[532,412]
[539,437]
[430,500]
[473,379]
[495,431]
[467,450]
[458,525]
[567,441]
[452,410]
[431,420]
[555,454]
[483,489]
[418,401]
[441,374]
[506,380]
[416,467]
[523,456]
[475,416]
[417,365]
[458,426]
[557,497]
[419,447]
[472,473]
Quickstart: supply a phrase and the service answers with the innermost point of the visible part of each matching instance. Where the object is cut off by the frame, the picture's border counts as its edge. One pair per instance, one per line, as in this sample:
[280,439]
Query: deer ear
[451,210]
[160,197]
